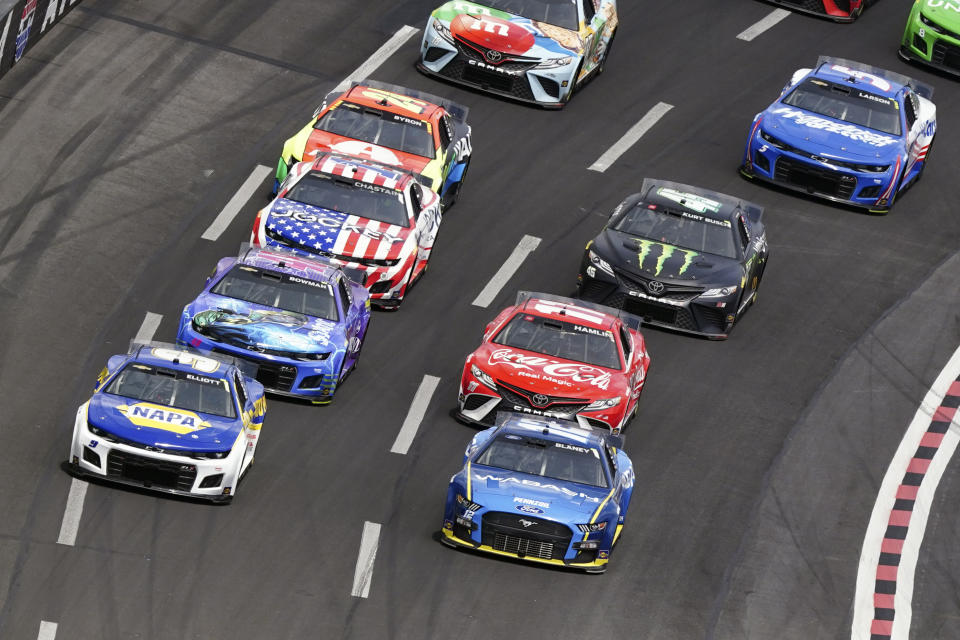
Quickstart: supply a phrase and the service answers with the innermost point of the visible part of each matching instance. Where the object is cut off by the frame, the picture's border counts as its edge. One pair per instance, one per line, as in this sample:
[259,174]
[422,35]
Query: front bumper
[930,44]
[520,81]
[710,317]
[796,171]
[211,479]
[819,8]
[456,535]
[316,380]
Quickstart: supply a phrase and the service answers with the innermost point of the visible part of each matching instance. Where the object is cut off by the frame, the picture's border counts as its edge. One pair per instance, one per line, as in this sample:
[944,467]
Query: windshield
[174,389]
[679,228]
[560,13]
[279,290]
[849,104]
[546,458]
[352,197]
[378,127]
[561,339]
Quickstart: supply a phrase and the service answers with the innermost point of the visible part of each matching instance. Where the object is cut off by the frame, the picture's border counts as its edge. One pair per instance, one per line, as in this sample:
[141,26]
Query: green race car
[932,35]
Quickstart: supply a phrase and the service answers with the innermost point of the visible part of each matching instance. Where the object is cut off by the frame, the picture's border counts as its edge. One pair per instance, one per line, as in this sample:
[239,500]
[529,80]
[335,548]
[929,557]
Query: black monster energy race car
[679,257]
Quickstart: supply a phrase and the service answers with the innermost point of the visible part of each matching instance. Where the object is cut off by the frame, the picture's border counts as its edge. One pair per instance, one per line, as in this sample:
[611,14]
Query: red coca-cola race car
[553,356]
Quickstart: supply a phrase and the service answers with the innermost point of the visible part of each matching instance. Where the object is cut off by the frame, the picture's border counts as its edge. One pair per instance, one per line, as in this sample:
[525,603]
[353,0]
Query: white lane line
[421,400]
[762,25]
[71,515]
[886,498]
[631,137]
[521,251]
[151,322]
[374,61]
[48,630]
[363,574]
[230,211]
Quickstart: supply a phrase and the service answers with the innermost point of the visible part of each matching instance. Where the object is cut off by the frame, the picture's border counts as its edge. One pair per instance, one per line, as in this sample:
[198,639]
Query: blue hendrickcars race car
[844,131]
[170,419]
[540,489]
[300,321]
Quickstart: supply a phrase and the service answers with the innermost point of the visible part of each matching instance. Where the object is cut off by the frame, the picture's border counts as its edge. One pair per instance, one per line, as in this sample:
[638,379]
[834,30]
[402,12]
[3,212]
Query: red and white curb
[891,547]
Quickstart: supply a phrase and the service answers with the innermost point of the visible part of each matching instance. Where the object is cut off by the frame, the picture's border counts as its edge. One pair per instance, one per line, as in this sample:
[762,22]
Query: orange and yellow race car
[389,125]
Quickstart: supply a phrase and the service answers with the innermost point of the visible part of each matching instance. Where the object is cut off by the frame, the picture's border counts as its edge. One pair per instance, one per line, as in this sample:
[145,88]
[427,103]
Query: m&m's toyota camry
[554,356]
[390,125]
[541,490]
[170,419]
[538,51]
[376,220]
[299,321]
[844,131]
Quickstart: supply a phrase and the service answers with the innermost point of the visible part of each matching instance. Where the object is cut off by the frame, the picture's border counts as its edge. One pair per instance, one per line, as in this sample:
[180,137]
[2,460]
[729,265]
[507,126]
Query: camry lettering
[490,67]
[846,130]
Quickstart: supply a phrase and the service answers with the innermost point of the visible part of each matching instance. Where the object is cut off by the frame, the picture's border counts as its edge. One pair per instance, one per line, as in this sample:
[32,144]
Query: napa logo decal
[154,416]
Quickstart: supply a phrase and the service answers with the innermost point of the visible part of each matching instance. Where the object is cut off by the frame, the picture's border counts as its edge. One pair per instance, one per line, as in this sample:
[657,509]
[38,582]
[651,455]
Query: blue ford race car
[540,489]
[169,419]
[300,321]
[844,131]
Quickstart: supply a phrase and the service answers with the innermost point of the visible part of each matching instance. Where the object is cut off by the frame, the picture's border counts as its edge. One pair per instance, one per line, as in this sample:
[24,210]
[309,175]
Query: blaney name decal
[846,130]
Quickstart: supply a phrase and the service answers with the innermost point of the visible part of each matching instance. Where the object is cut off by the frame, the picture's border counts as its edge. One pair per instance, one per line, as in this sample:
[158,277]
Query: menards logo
[666,252]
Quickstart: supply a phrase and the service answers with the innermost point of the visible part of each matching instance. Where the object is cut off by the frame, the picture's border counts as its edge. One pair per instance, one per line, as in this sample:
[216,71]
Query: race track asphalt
[126,130]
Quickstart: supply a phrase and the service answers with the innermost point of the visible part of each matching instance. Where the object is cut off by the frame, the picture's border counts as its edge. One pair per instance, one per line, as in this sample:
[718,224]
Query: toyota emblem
[540,400]
[494,56]
[654,287]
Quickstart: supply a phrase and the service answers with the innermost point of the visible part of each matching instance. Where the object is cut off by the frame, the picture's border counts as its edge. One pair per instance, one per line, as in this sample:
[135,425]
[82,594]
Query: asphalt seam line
[754,30]
[631,137]
[363,574]
[418,409]
[524,248]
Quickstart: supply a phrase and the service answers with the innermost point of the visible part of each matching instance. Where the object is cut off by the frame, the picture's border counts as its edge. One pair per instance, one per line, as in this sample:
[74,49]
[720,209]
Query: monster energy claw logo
[666,252]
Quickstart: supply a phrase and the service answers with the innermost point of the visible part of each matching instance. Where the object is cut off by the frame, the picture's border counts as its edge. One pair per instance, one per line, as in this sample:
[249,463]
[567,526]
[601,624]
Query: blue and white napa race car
[844,131]
[170,419]
[299,321]
[540,489]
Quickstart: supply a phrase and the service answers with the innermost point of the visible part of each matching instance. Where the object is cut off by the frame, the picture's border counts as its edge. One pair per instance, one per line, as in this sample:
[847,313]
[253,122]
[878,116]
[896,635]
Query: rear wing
[632,321]
[921,88]
[546,422]
[456,110]
[248,369]
[752,210]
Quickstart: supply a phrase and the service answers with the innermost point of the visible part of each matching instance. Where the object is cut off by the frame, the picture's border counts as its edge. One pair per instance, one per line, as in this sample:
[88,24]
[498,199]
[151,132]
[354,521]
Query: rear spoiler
[921,88]
[752,210]
[456,110]
[248,369]
[632,321]
[503,417]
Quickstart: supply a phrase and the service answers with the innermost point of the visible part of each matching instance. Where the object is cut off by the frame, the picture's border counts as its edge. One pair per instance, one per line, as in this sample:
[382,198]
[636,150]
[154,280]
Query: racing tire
[575,85]
[606,54]
[453,193]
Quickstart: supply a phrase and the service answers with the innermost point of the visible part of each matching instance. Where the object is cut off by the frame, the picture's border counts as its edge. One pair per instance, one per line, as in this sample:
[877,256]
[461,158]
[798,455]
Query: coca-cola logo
[582,373]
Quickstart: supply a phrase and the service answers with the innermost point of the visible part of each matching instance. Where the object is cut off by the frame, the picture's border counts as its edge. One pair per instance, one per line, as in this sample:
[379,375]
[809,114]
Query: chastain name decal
[846,130]
[553,371]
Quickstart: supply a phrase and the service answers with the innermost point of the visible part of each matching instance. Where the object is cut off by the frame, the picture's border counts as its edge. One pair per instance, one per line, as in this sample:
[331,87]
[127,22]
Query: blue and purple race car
[846,132]
[299,320]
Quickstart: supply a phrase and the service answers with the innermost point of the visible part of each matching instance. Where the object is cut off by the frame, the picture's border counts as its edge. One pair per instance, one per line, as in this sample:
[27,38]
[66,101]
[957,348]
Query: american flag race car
[553,356]
[376,220]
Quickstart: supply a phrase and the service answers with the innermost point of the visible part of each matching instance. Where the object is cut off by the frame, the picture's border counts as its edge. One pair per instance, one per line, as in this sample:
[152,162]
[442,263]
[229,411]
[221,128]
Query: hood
[551,376]
[320,141]
[316,229]
[524,494]
[508,33]
[160,426]
[260,327]
[942,12]
[825,136]
[666,262]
